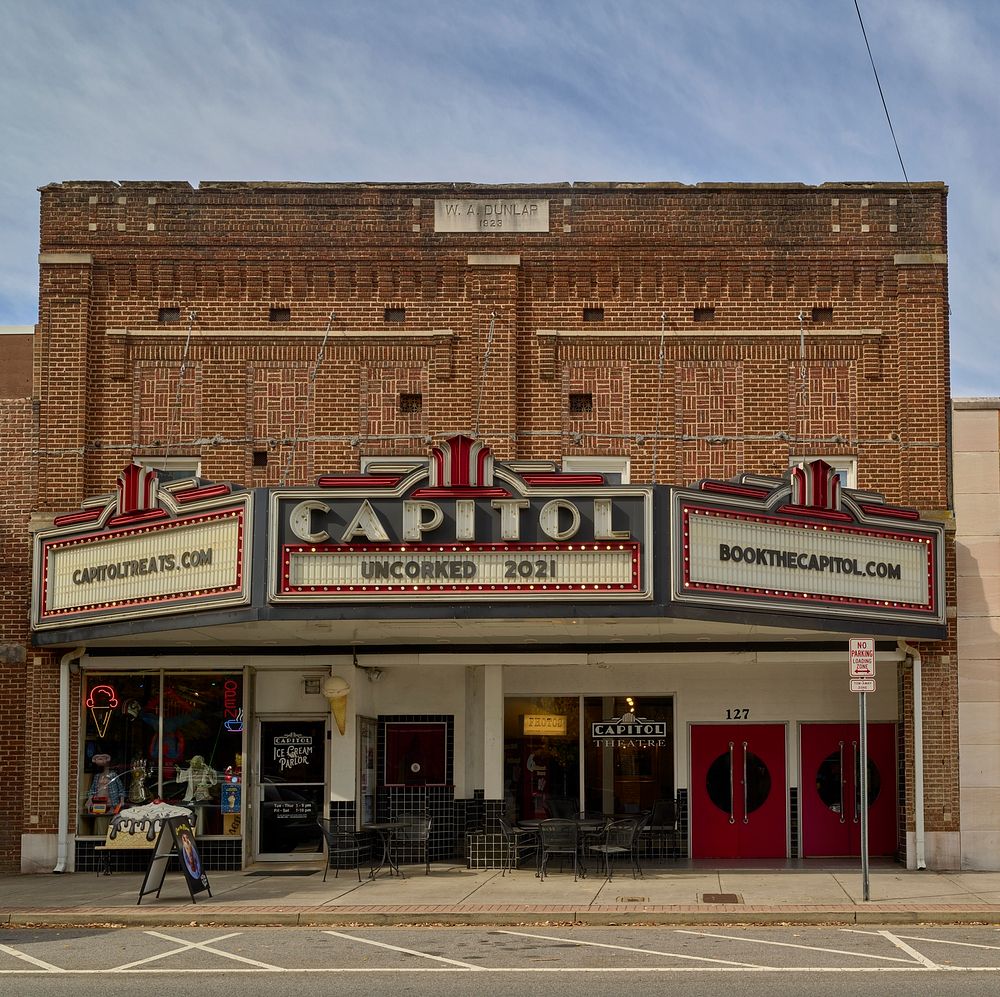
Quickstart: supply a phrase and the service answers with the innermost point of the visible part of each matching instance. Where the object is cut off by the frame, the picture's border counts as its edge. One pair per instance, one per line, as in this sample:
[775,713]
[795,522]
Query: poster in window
[416,754]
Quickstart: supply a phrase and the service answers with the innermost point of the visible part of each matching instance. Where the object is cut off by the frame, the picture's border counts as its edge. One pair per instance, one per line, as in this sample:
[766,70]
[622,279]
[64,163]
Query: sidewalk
[687,893]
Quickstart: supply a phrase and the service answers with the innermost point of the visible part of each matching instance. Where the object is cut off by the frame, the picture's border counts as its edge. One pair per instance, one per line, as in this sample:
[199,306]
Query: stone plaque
[501,215]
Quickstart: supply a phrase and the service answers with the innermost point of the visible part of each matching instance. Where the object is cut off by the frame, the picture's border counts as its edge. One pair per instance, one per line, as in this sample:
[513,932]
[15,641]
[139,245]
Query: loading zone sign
[862,657]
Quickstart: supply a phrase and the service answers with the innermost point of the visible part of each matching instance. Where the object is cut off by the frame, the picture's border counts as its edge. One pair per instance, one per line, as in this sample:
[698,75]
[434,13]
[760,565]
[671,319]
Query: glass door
[291,787]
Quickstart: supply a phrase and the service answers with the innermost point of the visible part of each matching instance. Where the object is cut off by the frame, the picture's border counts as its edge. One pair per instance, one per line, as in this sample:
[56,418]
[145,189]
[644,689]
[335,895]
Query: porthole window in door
[828,785]
[874,782]
[718,783]
[750,775]
[758,782]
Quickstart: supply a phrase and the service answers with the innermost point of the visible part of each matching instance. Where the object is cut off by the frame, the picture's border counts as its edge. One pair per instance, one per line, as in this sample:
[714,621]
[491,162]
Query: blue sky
[563,90]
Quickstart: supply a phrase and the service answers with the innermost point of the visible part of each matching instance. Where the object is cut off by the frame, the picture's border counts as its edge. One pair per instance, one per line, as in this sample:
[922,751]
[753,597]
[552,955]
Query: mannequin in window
[106,793]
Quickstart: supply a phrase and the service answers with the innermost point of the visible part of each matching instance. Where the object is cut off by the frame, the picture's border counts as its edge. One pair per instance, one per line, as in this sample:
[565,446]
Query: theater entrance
[738,791]
[831,790]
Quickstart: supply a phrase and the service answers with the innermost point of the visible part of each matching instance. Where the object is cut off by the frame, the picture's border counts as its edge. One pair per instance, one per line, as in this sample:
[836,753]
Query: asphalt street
[556,959]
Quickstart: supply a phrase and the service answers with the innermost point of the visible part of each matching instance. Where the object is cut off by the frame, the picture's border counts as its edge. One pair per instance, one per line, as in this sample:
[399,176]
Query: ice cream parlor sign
[292,750]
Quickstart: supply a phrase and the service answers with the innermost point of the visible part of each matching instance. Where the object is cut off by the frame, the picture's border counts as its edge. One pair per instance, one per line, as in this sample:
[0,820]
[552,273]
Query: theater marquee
[146,551]
[462,529]
[803,545]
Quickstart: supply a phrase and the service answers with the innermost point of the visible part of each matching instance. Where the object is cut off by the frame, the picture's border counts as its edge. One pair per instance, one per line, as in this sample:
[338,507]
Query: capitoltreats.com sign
[804,545]
[144,551]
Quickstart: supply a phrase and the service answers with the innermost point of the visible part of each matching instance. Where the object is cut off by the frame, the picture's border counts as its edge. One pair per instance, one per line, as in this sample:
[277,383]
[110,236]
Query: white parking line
[396,948]
[205,946]
[793,945]
[626,948]
[30,958]
[899,943]
[936,941]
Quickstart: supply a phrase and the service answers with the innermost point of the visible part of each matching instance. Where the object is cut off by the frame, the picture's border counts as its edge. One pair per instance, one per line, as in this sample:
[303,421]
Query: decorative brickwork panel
[709,399]
[281,410]
[168,408]
[596,407]
[383,386]
[822,403]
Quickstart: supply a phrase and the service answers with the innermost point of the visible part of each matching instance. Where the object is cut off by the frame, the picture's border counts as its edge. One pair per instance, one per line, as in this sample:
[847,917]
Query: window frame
[845,466]
[591,463]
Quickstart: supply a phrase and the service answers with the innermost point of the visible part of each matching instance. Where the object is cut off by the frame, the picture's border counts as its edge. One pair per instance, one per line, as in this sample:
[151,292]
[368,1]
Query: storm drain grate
[721,898]
[282,872]
[631,900]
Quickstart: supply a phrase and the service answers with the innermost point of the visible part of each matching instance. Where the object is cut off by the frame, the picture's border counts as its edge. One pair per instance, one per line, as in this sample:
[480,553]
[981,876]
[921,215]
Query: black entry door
[292,786]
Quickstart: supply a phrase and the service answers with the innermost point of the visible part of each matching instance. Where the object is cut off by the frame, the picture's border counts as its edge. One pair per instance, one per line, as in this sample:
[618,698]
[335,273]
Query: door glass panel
[874,782]
[758,786]
[718,783]
[292,777]
[828,781]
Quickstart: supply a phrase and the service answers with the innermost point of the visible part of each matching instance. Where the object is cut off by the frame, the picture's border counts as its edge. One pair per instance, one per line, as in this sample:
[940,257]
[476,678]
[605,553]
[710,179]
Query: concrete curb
[214,916]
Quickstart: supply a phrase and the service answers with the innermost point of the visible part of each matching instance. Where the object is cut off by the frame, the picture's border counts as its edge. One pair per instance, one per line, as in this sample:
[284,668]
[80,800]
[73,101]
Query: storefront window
[542,757]
[628,772]
[626,769]
[152,737]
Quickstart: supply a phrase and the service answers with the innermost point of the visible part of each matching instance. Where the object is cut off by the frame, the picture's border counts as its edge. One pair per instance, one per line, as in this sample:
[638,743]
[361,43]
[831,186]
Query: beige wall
[976,456]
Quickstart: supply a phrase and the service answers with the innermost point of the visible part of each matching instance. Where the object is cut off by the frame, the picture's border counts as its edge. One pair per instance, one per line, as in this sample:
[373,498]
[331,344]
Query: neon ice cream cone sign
[101,702]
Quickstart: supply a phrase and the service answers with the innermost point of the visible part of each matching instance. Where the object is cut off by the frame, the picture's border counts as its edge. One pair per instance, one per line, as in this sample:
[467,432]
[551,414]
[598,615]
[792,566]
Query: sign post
[862,669]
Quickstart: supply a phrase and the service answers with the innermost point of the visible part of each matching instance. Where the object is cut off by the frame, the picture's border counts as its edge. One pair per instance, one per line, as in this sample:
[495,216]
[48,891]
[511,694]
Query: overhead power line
[878,83]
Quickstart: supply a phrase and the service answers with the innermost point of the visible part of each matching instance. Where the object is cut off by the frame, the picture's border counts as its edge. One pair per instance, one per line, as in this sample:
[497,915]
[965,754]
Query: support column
[493,732]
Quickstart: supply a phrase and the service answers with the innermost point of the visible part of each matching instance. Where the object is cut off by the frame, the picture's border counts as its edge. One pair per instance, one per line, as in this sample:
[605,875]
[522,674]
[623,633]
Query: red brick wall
[721,396]
[16,741]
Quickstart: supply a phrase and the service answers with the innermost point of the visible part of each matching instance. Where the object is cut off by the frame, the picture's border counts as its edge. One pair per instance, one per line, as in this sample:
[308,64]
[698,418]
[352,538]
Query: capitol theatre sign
[463,528]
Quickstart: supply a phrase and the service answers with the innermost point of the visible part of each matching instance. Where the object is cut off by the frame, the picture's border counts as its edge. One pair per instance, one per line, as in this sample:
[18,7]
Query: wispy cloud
[742,90]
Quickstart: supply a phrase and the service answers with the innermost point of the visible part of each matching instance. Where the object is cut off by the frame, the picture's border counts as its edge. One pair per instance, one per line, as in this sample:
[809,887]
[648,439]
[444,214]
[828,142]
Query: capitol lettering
[558,519]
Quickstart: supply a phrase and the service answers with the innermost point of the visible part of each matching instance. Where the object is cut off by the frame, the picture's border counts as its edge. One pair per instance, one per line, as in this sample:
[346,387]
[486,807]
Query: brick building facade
[268,334]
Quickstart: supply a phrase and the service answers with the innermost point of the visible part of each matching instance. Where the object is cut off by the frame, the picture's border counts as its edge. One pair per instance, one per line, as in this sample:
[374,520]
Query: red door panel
[831,797]
[738,791]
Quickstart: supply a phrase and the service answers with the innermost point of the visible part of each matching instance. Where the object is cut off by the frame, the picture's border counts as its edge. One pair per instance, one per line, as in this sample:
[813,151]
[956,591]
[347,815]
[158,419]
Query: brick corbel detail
[547,354]
[443,358]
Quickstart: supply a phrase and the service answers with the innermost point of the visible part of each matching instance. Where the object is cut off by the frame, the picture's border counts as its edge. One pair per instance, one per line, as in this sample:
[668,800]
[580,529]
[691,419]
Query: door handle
[843,780]
[746,819]
[732,798]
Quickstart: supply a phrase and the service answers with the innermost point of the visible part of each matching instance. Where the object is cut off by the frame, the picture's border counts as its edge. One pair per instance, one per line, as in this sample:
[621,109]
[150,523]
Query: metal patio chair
[619,841]
[558,837]
[411,837]
[516,840]
[662,827]
[344,847]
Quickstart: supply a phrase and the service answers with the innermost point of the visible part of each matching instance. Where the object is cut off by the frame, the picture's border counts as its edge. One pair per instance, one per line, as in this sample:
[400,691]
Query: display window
[161,737]
[619,749]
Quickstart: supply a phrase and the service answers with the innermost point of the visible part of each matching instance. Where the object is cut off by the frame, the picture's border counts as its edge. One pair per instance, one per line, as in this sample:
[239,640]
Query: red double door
[831,790]
[738,792]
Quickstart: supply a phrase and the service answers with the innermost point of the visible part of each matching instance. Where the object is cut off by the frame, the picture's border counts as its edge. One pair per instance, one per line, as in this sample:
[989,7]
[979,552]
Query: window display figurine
[200,778]
[137,786]
[106,793]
